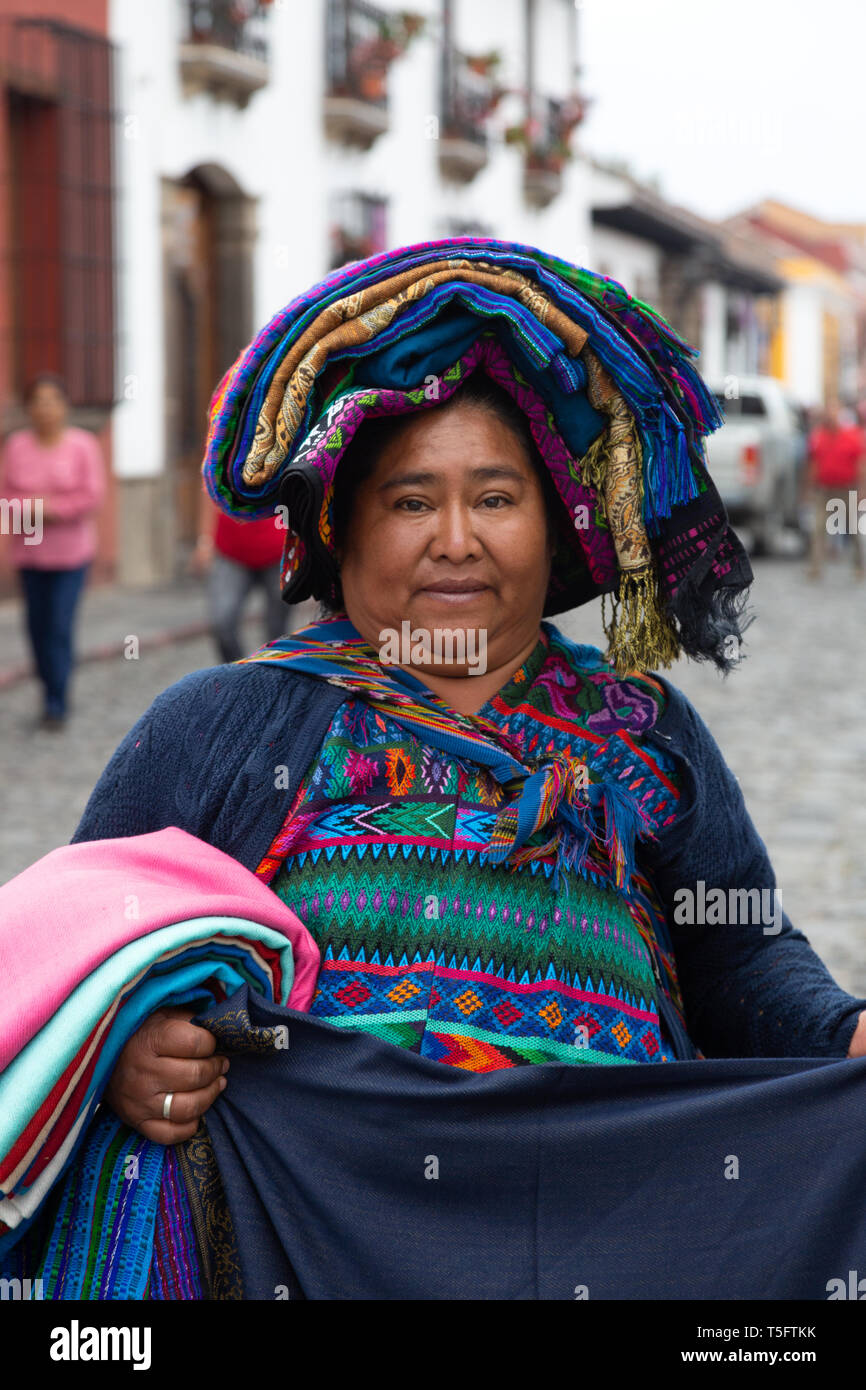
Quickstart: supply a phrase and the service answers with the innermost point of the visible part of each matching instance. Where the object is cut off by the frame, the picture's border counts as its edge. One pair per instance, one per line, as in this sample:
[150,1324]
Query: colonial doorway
[208,236]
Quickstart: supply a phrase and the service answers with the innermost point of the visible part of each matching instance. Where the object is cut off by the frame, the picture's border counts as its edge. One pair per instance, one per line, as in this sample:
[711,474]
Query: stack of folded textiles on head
[615,405]
[93,939]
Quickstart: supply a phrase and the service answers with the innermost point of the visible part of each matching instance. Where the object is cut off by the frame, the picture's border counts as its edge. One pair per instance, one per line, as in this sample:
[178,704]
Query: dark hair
[44,379]
[372,437]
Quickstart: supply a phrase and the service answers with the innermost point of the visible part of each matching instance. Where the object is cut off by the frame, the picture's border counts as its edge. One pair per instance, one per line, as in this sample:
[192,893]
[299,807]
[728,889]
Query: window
[749,405]
[358,227]
[61,207]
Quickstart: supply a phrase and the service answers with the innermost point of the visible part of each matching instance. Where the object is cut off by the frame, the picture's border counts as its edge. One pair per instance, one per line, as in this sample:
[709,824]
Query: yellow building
[818,338]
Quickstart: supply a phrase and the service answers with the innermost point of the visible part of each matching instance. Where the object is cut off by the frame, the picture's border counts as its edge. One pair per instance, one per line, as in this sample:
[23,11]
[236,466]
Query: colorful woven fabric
[614,402]
[101,914]
[175,1272]
[427,939]
[557,795]
[132,887]
[132,1220]
[94,1238]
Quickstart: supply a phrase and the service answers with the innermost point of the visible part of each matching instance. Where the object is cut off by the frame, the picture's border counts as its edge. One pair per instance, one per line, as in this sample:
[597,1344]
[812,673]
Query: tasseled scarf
[553,793]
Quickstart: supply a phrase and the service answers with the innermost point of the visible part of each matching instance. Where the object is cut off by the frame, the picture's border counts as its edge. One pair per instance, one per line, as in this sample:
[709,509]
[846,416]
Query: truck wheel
[760,544]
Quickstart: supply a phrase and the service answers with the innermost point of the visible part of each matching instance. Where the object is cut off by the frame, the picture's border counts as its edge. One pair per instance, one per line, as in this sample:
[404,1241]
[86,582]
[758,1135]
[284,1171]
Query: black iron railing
[468,97]
[547,145]
[238,25]
[359,50]
[550,126]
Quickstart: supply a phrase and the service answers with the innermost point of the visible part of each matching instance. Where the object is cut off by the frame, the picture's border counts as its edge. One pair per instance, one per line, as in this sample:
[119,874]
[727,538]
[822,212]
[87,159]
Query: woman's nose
[456,535]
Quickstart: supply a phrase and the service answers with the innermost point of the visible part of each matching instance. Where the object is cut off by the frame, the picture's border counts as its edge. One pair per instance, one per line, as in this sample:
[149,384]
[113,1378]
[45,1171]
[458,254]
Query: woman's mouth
[455,591]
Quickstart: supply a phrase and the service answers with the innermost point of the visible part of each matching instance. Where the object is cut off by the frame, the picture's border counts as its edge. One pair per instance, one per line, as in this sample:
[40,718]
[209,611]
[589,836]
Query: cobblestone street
[790,722]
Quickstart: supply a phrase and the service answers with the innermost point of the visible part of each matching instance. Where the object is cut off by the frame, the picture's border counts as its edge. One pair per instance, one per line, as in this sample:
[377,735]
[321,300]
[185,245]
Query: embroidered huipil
[427,944]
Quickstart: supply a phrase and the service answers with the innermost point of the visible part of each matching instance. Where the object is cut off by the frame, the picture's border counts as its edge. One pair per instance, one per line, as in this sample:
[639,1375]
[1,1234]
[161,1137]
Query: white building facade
[254,156]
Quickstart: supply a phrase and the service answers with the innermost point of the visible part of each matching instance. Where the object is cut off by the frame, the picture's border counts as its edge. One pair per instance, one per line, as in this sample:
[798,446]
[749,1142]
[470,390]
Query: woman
[238,558]
[484,826]
[56,471]
[423,538]
[836,465]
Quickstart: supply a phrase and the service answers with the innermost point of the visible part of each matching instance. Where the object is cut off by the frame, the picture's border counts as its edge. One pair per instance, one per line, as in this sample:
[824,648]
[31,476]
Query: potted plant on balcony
[370,60]
[369,63]
[550,159]
[517,134]
[484,64]
[572,113]
[412,23]
[399,30]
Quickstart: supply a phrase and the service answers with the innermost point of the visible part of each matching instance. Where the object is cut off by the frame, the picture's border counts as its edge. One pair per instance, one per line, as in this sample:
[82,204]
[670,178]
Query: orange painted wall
[81,14]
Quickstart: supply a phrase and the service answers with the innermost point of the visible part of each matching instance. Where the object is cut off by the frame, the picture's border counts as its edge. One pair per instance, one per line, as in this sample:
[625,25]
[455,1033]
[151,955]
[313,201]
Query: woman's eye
[411,504]
[496,501]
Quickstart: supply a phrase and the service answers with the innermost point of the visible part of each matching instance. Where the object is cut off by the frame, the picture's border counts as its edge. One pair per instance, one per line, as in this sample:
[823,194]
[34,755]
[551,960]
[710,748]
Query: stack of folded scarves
[94,938]
[615,404]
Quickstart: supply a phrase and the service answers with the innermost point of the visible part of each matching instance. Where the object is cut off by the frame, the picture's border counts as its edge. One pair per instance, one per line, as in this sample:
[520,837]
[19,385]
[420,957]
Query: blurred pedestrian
[836,467]
[238,557]
[55,474]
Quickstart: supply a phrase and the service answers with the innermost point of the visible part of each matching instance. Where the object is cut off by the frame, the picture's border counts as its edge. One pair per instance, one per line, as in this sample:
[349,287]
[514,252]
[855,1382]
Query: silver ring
[166,1105]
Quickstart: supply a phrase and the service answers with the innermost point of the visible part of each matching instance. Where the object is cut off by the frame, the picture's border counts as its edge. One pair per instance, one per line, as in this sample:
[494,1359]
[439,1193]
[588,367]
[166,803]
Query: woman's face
[450,533]
[47,408]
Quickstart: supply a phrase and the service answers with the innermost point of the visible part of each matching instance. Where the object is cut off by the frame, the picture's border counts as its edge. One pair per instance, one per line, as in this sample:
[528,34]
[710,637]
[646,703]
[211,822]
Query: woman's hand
[202,556]
[167,1054]
[858,1042]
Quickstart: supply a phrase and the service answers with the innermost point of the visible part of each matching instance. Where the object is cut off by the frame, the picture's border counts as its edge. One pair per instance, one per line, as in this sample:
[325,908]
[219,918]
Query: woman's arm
[218,754]
[170,769]
[751,983]
[857,1046]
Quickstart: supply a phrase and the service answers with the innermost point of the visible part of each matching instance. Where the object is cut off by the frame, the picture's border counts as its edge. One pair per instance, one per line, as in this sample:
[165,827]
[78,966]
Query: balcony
[225,52]
[469,95]
[545,137]
[542,179]
[361,43]
[356,118]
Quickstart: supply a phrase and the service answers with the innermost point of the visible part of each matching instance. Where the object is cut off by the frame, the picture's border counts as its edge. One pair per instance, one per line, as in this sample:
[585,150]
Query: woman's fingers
[187,1106]
[167,1054]
[178,1074]
[170,1036]
[165,1132]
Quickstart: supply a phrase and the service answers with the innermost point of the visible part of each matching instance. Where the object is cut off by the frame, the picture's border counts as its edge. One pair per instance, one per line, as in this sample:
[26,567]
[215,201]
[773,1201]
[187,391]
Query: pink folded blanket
[73,909]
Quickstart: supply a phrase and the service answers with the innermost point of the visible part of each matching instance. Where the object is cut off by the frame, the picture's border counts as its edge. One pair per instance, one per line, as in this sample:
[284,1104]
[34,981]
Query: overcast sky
[730,102]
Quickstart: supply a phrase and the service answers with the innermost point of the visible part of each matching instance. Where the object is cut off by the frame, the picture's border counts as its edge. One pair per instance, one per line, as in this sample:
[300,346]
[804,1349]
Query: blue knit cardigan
[204,757]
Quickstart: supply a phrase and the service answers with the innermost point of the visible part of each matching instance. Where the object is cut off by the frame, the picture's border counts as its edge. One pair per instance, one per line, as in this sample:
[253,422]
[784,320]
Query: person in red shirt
[240,556]
[836,467]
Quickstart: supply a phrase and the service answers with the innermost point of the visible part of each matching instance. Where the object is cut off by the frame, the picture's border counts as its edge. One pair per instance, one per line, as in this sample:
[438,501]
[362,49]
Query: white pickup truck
[756,458]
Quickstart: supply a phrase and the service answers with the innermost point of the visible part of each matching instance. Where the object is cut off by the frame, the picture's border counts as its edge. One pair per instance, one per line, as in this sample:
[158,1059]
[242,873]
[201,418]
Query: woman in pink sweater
[53,479]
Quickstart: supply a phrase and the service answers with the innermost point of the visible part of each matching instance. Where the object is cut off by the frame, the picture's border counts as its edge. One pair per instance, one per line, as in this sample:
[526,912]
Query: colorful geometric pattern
[556,803]
[94,1238]
[429,945]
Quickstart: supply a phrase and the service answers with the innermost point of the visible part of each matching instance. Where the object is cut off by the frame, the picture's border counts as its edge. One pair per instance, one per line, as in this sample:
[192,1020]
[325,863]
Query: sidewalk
[110,615]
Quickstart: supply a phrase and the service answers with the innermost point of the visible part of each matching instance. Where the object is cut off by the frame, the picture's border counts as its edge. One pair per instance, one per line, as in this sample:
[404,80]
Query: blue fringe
[669,479]
[622,825]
